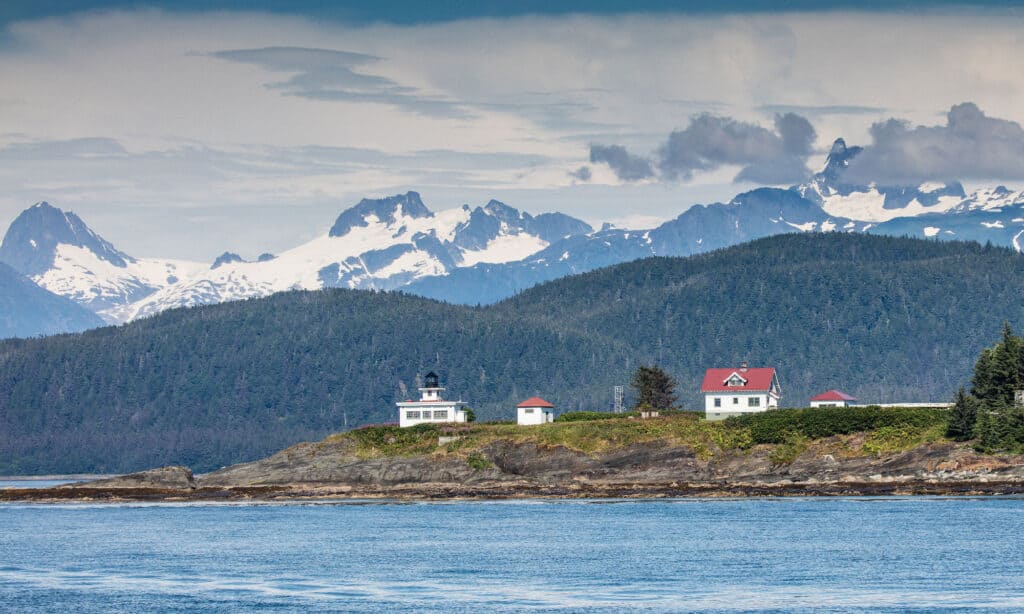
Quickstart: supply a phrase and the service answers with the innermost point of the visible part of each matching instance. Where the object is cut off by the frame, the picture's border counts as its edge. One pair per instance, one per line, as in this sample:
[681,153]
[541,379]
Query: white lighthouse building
[431,407]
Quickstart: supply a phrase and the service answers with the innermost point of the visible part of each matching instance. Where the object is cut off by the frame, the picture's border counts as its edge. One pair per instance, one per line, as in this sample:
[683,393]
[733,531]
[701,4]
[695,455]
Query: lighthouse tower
[431,407]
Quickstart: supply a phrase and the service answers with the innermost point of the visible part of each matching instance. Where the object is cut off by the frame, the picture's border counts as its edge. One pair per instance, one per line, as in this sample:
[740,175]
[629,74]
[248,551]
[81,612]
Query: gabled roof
[757,380]
[833,395]
[535,402]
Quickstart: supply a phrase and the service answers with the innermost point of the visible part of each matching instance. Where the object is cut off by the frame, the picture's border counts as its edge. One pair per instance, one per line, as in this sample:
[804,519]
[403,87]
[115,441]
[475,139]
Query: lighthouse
[431,408]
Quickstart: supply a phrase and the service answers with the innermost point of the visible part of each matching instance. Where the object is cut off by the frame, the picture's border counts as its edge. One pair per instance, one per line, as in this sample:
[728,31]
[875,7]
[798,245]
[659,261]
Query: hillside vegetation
[887,429]
[885,319]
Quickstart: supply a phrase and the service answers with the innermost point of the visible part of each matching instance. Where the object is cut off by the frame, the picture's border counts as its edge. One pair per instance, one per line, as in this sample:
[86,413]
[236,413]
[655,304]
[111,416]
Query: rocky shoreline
[434,492]
[334,470]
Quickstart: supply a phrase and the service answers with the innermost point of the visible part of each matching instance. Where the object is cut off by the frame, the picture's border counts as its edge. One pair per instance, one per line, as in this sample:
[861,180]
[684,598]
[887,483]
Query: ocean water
[35,482]
[877,554]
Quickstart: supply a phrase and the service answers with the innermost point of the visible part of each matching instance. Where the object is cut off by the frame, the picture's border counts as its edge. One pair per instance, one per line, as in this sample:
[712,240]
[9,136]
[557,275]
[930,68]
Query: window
[754,402]
[412,415]
[527,411]
[718,401]
[441,413]
[735,400]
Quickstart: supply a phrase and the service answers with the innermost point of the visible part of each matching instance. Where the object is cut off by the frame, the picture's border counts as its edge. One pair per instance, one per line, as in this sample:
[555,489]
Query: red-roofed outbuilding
[535,410]
[833,398]
[730,392]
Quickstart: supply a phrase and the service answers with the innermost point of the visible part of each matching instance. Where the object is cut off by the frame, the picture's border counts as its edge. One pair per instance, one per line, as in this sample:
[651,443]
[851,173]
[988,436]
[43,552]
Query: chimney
[743,366]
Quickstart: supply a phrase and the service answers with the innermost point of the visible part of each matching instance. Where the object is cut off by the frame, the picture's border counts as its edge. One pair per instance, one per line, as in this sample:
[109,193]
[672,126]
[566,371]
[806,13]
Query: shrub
[785,453]
[394,439]
[580,416]
[478,461]
[779,425]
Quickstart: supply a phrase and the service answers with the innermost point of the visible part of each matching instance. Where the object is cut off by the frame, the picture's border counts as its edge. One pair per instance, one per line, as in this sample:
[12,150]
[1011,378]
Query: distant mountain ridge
[483,254]
[26,310]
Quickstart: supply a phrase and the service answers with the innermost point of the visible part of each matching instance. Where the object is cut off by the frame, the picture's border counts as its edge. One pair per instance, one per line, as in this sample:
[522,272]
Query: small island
[973,447]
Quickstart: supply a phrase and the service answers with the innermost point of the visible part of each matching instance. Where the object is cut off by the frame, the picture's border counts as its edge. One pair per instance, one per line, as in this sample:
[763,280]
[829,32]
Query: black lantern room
[430,380]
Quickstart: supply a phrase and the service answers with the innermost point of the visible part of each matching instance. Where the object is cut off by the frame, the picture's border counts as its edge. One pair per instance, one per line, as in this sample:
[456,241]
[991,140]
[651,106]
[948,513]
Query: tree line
[992,413]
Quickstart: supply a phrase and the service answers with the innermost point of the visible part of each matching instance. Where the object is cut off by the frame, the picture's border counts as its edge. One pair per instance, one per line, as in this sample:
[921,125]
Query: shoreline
[460,492]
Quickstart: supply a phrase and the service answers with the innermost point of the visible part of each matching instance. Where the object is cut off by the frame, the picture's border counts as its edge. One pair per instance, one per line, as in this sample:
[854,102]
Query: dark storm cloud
[970,146]
[776,156]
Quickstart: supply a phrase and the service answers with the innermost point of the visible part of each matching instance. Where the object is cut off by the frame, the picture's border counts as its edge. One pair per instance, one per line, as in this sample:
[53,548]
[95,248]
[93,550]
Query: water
[36,482]
[915,553]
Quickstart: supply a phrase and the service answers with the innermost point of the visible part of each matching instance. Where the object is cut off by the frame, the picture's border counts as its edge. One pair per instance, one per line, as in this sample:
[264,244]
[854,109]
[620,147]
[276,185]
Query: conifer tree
[963,416]
[655,389]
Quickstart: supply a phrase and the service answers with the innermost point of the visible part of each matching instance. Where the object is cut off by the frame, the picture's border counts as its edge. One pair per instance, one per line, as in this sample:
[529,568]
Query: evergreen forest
[885,319]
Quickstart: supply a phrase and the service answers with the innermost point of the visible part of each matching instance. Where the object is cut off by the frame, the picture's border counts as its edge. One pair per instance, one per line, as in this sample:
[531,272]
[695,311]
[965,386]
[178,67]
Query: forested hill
[884,319]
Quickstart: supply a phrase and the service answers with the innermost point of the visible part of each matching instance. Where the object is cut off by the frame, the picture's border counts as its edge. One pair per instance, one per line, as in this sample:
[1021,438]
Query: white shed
[535,410]
[833,398]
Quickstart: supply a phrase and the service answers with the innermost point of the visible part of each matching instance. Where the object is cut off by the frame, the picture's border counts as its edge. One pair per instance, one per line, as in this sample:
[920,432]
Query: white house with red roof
[431,407]
[833,398]
[733,392]
[535,410]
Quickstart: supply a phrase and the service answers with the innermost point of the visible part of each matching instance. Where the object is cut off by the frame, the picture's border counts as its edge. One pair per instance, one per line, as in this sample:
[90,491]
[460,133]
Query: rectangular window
[735,400]
[718,401]
[754,402]
[440,414]
[412,415]
[527,411]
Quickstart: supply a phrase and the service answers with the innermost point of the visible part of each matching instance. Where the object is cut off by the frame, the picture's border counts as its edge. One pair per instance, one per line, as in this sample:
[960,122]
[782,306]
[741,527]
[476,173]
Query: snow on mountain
[377,244]
[486,253]
[873,203]
[60,253]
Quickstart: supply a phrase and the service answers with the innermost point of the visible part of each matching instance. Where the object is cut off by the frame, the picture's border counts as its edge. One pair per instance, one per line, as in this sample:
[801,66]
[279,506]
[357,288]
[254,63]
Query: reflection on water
[813,554]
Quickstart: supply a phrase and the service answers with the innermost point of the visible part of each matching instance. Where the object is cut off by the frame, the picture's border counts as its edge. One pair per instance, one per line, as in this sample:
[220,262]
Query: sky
[188,129]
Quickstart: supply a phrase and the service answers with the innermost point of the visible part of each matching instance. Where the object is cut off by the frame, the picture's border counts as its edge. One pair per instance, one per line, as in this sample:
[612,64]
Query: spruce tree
[655,389]
[962,417]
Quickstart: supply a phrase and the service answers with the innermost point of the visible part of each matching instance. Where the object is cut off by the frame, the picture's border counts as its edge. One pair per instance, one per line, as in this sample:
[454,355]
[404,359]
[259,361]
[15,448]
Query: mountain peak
[386,210]
[838,159]
[30,244]
[225,258]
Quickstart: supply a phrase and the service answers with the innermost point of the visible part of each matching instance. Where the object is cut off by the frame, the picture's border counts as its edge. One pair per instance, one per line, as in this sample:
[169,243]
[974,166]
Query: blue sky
[189,128]
[416,12]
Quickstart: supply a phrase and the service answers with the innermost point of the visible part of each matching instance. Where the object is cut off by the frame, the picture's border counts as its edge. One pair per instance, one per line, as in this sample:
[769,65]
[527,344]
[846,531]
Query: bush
[478,461]
[394,438]
[780,425]
[581,416]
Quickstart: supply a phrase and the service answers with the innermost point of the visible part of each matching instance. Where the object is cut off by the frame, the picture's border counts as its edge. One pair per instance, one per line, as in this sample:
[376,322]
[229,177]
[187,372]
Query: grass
[790,433]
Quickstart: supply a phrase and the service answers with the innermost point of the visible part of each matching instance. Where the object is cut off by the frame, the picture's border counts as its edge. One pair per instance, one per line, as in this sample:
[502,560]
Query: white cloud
[199,130]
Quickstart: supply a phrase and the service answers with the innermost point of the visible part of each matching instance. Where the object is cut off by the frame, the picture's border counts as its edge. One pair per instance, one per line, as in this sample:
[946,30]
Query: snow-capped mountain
[379,243]
[874,203]
[825,203]
[479,255]
[61,254]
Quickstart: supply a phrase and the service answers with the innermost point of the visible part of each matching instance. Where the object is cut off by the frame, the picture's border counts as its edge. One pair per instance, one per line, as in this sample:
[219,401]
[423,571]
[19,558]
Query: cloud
[583,173]
[821,110]
[776,156]
[971,146]
[330,74]
[626,166]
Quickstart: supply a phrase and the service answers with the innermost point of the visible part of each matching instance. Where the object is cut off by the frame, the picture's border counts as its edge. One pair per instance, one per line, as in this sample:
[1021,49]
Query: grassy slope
[790,432]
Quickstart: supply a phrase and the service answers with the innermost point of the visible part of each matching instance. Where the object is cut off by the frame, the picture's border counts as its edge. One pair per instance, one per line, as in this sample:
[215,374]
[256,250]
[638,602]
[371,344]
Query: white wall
[734,403]
[452,413]
[534,415]
[829,403]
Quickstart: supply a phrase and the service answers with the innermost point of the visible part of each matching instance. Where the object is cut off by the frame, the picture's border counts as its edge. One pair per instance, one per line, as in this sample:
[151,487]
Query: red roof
[758,380]
[535,402]
[833,395]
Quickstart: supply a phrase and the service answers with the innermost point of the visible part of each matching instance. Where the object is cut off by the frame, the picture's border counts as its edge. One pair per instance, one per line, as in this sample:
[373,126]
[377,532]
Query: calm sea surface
[784,554]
